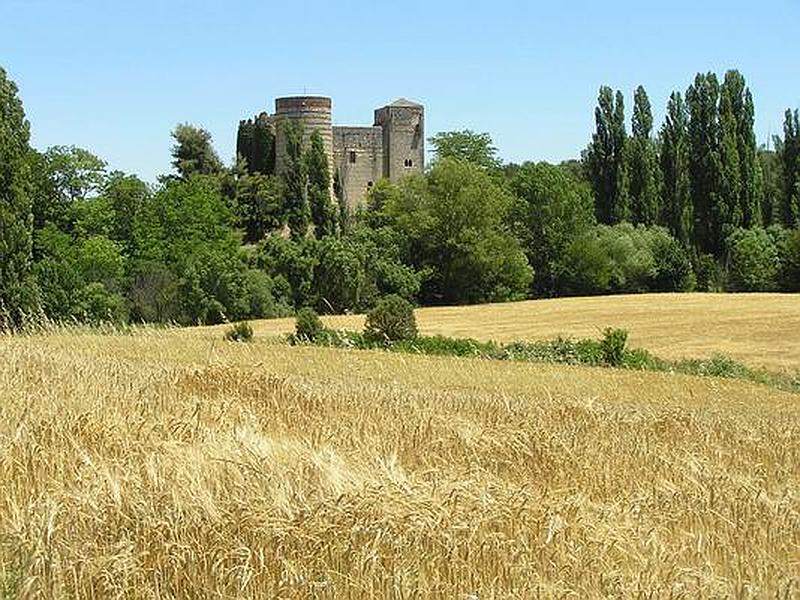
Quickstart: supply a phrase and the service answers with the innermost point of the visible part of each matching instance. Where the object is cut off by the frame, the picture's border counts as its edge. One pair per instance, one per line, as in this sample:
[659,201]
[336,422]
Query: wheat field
[171,464]
[761,330]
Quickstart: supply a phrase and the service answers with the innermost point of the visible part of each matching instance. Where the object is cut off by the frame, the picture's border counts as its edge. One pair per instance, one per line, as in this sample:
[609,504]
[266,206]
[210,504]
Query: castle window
[409,163]
[352,157]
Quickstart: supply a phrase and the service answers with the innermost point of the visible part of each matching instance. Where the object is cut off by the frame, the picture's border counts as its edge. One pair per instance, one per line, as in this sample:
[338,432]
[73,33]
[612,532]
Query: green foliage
[324,213]
[183,218]
[705,166]
[626,259]
[440,345]
[770,167]
[80,279]
[454,226]
[559,350]
[184,236]
[606,161]
[239,332]
[391,320]
[642,164]
[255,143]
[339,275]
[291,265]
[753,261]
[16,217]
[193,153]
[76,173]
[384,267]
[154,294]
[790,264]
[295,181]
[308,327]
[553,209]
[709,273]
[125,195]
[259,205]
[677,210]
[673,265]
[613,346]
[610,351]
[475,148]
[736,106]
[789,209]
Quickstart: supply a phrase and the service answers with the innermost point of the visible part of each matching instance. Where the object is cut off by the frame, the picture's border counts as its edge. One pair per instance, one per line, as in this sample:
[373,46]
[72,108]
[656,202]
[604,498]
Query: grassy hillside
[761,330]
[172,464]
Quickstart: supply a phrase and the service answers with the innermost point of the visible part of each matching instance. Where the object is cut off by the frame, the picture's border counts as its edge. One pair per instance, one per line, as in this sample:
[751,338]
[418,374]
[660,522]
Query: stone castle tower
[359,156]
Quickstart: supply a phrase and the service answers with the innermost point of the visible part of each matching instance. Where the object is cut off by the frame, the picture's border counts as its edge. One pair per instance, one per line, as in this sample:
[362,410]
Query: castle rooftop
[405,103]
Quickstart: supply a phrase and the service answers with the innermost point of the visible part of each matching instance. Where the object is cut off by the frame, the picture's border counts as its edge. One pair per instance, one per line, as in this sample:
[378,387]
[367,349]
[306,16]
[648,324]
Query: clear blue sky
[115,77]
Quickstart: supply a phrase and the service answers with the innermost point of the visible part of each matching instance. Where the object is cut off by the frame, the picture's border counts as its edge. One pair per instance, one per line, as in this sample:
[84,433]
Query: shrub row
[609,351]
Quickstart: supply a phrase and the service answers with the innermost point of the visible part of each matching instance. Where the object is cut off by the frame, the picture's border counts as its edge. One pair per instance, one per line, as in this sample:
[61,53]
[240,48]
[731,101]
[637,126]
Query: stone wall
[403,124]
[394,147]
[358,158]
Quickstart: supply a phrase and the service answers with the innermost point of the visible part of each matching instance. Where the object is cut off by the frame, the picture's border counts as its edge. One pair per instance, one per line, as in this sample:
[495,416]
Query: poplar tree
[16,218]
[729,211]
[704,162]
[323,211]
[737,115]
[677,212]
[790,163]
[606,158]
[643,163]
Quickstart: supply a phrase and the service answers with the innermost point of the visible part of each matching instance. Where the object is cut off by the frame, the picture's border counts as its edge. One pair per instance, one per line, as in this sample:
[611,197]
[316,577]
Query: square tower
[403,125]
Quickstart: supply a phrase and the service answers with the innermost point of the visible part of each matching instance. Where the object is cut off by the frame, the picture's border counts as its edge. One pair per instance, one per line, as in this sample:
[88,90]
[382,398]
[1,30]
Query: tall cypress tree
[255,142]
[244,141]
[606,158]
[16,218]
[790,163]
[643,163]
[295,179]
[704,162]
[323,211]
[677,212]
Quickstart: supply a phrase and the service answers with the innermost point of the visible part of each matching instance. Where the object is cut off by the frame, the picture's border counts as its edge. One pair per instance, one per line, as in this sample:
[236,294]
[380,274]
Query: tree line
[702,176]
[697,206]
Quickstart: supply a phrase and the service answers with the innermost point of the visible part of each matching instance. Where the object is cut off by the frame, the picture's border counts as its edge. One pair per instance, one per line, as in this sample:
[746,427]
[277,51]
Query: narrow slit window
[409,162]
[352,157]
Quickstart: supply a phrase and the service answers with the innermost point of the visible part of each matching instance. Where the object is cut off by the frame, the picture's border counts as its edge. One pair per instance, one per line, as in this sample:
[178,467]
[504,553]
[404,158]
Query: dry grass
[761,330]
[172,464]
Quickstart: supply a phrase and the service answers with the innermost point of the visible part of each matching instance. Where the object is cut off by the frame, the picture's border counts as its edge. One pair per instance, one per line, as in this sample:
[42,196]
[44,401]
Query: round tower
[312,112]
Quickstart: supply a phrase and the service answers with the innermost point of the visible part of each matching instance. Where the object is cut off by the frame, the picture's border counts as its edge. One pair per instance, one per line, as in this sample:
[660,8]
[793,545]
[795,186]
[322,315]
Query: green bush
[440,345]
[625,259]
[559,350]
[391,320]
[308,327]
[239,332]
[753,261]
[613,346]
[710,275]
[790,267]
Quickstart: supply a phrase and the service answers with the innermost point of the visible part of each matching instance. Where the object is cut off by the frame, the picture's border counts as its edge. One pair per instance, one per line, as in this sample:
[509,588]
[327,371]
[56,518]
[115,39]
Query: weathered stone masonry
[393,147]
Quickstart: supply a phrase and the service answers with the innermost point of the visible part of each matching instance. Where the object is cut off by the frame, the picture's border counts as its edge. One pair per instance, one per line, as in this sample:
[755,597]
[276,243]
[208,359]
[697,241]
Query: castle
[358,156]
